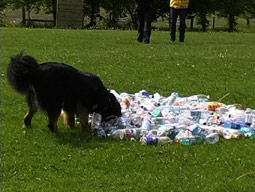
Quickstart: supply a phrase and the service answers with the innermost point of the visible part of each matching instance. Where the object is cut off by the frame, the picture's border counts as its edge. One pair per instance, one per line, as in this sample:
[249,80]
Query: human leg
[140,25]
[183,13]
[147,26]
[172,23]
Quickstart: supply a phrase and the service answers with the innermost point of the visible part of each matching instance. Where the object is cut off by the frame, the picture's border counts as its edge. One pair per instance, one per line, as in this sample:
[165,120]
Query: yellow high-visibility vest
[179,4]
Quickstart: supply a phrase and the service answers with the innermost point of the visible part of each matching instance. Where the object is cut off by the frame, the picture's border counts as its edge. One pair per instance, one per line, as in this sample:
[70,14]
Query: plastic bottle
[96,120]
[135,133]
[100,131]
[194,129]
[191,140]
[118,134]
[173,133]
[196,115]
[146,125]
[212,138]
[156,113]
[248,117]
[247,130]
[232,125]
[170,100]
[155,140]
[110,129]
[144,93]
[122,123]
[230,133]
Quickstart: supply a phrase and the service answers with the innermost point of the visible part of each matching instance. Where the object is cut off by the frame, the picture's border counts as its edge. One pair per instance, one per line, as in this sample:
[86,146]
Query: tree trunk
[54,11]
[23,15]
[231,22]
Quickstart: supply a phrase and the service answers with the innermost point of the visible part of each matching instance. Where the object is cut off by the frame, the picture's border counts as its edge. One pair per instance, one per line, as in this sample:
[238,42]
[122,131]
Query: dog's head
[111,108]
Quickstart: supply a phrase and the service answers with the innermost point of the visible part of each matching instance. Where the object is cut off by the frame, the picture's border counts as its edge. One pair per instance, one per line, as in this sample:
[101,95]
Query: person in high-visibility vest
[178,8]
[144,10]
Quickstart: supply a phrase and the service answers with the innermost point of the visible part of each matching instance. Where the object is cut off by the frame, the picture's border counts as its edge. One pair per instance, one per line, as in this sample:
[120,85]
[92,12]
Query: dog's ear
[112,98]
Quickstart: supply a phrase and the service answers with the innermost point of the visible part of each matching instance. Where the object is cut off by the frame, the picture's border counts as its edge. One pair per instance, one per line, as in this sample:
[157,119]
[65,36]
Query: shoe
[181,41]
[172,40]
[139,40]
[146,41]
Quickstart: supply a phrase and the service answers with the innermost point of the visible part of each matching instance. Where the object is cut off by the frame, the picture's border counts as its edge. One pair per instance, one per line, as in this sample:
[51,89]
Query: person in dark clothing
[144,10]
[178,8]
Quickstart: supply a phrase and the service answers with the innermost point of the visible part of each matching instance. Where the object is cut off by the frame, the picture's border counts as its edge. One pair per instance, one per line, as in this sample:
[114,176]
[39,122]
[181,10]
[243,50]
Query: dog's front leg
[83,115]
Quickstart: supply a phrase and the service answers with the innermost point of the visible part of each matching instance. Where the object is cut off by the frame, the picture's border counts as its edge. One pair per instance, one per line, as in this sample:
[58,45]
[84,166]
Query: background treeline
[110,12]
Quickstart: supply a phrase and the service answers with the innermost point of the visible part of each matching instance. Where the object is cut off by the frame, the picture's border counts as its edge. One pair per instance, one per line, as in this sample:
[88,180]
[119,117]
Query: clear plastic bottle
[170,100]
[247,130]
[146,125]
[134,133]
[248,117]
[232,125]
[155,140]
[194,129]
[118,134]
[230,133]
[191,140]
[100,131]
[212,138]
[122,123]
[95,120]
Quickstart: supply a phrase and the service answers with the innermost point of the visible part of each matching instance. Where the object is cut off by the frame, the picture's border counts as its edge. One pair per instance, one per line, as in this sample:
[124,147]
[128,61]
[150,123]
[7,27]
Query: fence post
[213,23]
[191,22]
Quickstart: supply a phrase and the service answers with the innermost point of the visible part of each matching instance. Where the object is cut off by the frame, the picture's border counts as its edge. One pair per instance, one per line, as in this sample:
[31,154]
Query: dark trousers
[174,13]
[144,25]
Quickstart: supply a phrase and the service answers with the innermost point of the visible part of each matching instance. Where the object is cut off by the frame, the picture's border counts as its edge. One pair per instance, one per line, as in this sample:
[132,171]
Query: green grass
[208,63]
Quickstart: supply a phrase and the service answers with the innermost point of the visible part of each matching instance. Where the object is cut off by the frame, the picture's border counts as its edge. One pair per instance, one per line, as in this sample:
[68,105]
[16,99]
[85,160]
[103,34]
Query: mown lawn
[215,64]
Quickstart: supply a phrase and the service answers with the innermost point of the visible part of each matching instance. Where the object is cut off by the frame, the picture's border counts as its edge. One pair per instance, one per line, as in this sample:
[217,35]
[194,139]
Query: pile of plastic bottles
[154,119]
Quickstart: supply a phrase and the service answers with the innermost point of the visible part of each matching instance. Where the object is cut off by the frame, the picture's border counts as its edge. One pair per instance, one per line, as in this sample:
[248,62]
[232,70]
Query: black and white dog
[56,86]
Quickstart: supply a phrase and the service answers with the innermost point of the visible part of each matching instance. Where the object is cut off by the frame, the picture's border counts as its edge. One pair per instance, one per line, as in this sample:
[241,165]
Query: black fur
[55,86]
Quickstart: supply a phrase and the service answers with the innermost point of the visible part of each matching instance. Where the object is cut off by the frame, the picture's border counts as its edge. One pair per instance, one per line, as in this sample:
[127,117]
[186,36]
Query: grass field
[215,64]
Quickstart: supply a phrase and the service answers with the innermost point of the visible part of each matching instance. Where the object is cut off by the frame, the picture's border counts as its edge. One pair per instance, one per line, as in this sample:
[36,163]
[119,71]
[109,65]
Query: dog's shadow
[77,139]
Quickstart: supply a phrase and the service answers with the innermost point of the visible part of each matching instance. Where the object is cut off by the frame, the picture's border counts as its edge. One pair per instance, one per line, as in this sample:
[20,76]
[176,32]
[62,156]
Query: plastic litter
[154,119]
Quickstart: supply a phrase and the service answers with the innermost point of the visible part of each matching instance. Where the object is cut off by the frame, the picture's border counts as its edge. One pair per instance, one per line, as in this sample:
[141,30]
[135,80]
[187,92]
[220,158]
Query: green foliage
[207,63]
[123,9]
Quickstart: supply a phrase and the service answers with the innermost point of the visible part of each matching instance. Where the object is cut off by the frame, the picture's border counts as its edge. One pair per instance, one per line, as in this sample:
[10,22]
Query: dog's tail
[21,72]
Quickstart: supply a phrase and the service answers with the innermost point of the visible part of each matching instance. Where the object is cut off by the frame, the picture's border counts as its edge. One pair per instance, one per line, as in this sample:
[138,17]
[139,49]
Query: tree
[92,10]
[129,8]
[231,12]
[161,8]
[201,8]
[249,9]
[51,8]
[114,10]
